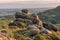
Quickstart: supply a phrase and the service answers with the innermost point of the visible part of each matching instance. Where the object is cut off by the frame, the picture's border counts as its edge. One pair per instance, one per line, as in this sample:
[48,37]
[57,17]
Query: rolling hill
[51,15]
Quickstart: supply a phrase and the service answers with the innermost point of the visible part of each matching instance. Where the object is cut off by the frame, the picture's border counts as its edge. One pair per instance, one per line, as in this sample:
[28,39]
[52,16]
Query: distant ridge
[31,10]
[51,15]
[57,9]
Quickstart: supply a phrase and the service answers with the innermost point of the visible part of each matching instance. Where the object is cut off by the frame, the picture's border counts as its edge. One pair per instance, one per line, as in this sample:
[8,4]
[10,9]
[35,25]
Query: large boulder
[21,15]
[32,27]
[20,24]
[33,30]
[50,27]
[33,33]
[45,31]
[18,15]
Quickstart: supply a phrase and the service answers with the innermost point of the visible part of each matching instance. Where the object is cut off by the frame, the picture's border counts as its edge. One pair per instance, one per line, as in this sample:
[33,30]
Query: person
[37,21]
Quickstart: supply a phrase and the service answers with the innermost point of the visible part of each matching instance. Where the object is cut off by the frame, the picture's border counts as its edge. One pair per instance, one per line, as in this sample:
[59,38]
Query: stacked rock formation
[22,18]
[34,24]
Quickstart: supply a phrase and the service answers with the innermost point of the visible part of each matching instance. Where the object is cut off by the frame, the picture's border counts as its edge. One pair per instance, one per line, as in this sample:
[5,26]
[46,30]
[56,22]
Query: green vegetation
[20,33]
[51,16]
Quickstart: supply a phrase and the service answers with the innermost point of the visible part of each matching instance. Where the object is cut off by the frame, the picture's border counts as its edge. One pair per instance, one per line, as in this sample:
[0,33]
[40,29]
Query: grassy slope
[18,33]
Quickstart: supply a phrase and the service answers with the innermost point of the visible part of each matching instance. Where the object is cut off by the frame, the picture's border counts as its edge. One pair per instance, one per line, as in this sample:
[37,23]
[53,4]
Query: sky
[28,3]
[9,1]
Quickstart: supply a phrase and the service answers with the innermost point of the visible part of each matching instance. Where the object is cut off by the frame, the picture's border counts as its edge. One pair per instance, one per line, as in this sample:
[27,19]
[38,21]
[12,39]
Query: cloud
[6,1]
[25,0]
[28,3]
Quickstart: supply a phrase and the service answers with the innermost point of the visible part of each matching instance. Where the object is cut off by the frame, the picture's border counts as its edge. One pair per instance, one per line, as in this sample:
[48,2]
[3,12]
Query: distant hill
[51,15]
[4,12]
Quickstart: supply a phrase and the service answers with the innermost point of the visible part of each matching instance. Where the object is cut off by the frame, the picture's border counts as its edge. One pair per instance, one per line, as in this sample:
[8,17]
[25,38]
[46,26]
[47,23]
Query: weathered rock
[50,27]
[22,18]
[44,30]
[33,33]
[36,20]
[33,30]
[23,14]
[32,27]
[18,15]
[20,24]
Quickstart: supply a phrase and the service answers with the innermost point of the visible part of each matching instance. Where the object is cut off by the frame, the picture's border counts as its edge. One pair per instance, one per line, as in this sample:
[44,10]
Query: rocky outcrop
[22,18]
[45,31]
[33,30]
[34,25]
[50,27]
